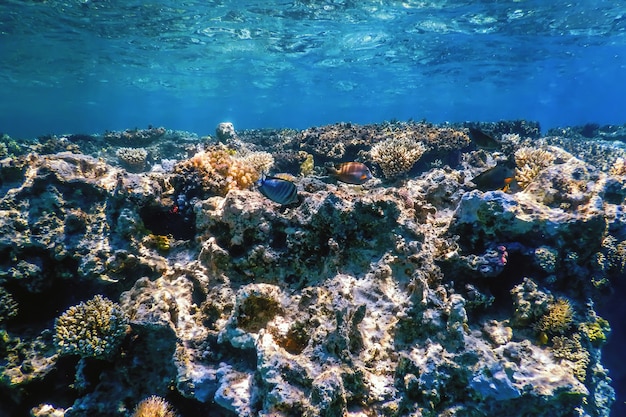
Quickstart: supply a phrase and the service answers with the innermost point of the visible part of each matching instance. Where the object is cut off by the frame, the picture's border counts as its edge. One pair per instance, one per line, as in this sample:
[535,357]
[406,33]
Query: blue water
[87,66]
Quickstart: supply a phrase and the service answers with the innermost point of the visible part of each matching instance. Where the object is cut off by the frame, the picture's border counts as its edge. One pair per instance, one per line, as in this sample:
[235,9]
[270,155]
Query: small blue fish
[278,190]
[351,173]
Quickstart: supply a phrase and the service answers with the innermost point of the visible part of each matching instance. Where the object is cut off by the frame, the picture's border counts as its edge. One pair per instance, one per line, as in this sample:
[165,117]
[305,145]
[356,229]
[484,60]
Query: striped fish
[350,172]
[278,190]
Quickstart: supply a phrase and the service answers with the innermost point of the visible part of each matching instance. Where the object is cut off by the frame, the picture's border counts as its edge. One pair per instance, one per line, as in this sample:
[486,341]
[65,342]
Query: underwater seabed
[474,269]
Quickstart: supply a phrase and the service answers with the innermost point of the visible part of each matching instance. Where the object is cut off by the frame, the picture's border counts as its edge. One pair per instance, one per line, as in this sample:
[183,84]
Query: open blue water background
[69,66]
[86,66]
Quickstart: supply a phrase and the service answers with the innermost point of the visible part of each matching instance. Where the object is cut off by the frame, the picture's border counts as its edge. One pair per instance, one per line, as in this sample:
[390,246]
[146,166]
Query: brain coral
[396,155]
[94,328]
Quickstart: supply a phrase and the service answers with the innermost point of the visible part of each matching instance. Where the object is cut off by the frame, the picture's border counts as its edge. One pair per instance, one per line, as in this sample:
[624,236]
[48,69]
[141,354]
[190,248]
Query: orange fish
[350,172]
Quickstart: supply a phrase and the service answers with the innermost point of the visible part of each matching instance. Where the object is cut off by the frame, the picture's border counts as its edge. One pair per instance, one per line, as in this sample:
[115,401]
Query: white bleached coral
[397,155]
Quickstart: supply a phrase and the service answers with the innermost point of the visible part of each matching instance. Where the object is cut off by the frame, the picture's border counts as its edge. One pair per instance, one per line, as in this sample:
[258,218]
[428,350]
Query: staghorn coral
[558,319]
[154,406]
[530,162]
[397,155]
[94,328]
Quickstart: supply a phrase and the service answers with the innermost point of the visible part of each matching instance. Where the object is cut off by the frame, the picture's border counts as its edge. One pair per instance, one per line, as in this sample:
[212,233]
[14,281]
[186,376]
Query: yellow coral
[558,319]
[306,168]
[530,162]
[154,406]
[595,331]
[572,350]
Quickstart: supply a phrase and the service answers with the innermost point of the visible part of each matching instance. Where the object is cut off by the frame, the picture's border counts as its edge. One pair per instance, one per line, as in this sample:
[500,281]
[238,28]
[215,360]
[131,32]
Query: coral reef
[421,297]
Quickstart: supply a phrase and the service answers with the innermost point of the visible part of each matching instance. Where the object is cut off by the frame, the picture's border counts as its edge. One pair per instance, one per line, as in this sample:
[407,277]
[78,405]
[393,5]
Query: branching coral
[8,306]
[94,328]
[397,155]
[218,171]
[612,257]
[558,319]
[261,162]
[154,406]
[530,162]
[572,350]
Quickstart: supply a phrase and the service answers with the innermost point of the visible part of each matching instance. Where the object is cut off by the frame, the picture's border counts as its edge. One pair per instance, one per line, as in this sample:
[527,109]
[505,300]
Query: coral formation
[570,349]
[217,171]
[397,155]
[419,297]
[154,406]
[558,317]
[133,159]
[8,306]
[135,137]
[94,328]
[530,162]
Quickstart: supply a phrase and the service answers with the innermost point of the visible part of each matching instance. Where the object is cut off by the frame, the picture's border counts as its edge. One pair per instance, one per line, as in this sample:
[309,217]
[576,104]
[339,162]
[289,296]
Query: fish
[499,177]
[483,140]
[350,172]
[278,190]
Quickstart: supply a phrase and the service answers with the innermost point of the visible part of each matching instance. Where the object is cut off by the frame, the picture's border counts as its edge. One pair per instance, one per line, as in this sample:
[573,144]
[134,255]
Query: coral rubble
[183,288]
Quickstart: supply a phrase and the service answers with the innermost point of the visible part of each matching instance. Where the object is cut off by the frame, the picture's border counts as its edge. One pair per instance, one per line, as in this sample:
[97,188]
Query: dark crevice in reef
[37,310]
[50,390]
[165,221]
[189,407]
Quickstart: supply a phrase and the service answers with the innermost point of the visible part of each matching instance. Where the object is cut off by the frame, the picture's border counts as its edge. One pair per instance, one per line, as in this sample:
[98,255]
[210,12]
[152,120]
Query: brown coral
[219,171]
